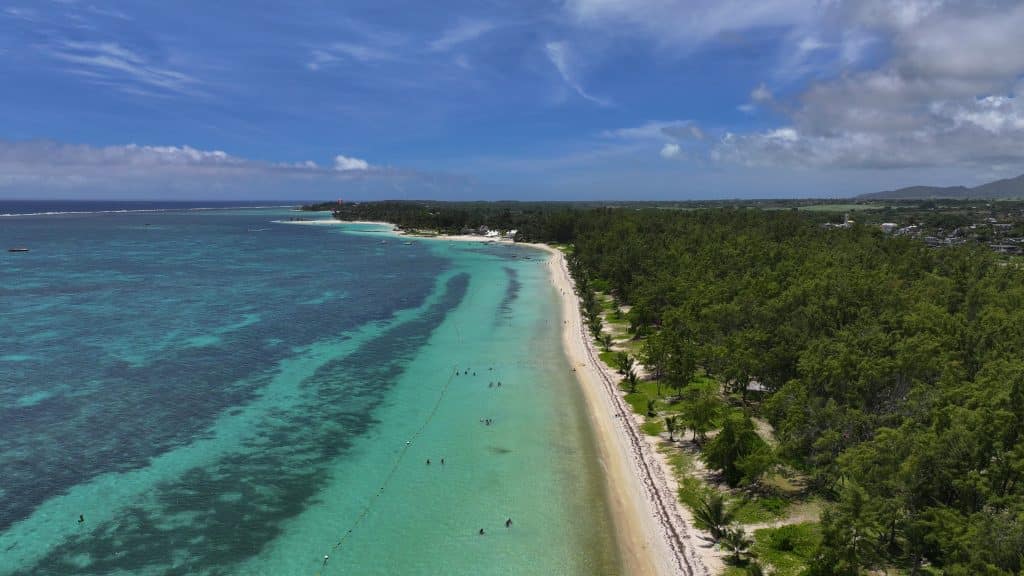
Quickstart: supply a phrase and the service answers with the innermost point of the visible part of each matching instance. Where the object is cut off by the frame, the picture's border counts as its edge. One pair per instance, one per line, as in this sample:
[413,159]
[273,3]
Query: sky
[517,99]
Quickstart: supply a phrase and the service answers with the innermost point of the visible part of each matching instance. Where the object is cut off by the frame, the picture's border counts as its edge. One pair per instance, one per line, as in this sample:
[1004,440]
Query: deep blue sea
[214,391]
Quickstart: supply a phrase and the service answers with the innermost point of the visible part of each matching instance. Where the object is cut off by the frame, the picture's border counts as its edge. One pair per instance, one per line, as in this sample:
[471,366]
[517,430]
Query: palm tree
[670,423]
[606,342]
[624,361]
[754,569]
[712,513]
[650,407]
[632,379]
[737,541]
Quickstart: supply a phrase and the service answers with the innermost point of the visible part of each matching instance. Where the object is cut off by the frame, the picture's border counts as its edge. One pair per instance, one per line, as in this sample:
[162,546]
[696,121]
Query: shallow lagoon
[218,394]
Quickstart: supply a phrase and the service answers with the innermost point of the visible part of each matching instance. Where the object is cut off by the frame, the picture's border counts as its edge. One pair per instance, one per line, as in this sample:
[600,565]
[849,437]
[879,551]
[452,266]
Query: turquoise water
[219,394]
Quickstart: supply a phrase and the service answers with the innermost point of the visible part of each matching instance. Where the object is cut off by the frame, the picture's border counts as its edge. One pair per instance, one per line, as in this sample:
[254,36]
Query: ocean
[214,391]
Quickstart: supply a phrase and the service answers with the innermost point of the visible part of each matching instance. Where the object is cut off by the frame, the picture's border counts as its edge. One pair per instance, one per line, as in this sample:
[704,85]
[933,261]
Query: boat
[407,243]
[17,249]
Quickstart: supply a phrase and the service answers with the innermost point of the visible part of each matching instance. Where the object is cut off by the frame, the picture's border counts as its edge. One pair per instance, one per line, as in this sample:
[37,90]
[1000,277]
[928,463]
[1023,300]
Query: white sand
[392,228]
[655,535]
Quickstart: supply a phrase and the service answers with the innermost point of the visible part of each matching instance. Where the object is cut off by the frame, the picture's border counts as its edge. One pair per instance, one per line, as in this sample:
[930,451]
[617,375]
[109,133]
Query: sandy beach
[398,232]
[655,534]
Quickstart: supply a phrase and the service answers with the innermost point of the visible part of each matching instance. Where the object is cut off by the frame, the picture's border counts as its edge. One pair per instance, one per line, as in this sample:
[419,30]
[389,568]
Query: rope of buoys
[394,468]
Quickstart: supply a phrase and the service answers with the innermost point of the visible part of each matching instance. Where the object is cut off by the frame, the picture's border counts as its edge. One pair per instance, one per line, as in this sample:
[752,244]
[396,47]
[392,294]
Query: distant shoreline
[396,231]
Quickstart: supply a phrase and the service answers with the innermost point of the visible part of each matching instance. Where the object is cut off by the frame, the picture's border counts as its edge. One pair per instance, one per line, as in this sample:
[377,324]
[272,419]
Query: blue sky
[526,99]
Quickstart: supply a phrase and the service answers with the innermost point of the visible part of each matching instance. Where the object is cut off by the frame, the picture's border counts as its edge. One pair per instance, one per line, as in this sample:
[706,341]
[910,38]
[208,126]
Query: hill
[1006,188]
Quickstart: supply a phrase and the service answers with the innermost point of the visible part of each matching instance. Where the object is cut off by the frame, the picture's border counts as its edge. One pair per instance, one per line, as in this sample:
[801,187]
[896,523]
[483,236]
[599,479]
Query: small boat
[407,243]
[17,249]
[383,241]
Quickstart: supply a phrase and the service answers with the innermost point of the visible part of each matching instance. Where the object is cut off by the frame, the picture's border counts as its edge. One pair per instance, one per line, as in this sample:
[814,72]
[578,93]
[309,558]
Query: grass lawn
[759,509]
[609,359]
[788,549]
[653,427]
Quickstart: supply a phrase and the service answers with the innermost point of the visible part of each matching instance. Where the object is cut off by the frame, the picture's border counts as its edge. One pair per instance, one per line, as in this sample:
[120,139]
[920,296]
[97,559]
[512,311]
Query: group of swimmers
[467,372]
[508,524]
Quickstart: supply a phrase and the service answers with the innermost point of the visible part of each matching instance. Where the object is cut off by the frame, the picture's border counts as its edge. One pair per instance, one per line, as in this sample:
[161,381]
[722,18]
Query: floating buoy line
[391,473]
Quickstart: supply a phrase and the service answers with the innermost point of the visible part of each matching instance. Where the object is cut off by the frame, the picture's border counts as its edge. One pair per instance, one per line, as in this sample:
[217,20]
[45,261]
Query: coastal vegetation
[792,368]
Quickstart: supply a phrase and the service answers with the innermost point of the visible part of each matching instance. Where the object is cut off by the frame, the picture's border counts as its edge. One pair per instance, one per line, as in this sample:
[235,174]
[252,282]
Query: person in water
[508,523]
[81,518]
[428,461]
[442,461]
[481,531]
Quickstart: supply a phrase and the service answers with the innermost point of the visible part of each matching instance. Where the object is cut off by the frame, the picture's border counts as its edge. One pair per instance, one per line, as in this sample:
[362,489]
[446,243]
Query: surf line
[394,468]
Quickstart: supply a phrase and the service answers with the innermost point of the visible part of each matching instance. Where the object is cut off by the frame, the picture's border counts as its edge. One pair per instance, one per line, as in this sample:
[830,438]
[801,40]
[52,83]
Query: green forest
[891,373]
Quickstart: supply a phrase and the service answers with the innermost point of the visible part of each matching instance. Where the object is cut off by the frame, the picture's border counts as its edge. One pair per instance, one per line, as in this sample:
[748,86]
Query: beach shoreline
[653,531]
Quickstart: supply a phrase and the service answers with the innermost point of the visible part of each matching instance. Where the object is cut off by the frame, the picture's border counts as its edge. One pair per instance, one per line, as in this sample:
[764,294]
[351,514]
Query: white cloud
[945,92]
[559,54]
[674,130]
[670,150]
[347,164]
[109,63]
[761,94]
[51,169]
[347,51]
[687,24]
[464,31]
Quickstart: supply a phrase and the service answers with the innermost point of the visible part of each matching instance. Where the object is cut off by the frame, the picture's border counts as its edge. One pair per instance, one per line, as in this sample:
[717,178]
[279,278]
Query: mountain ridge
[1004,188]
